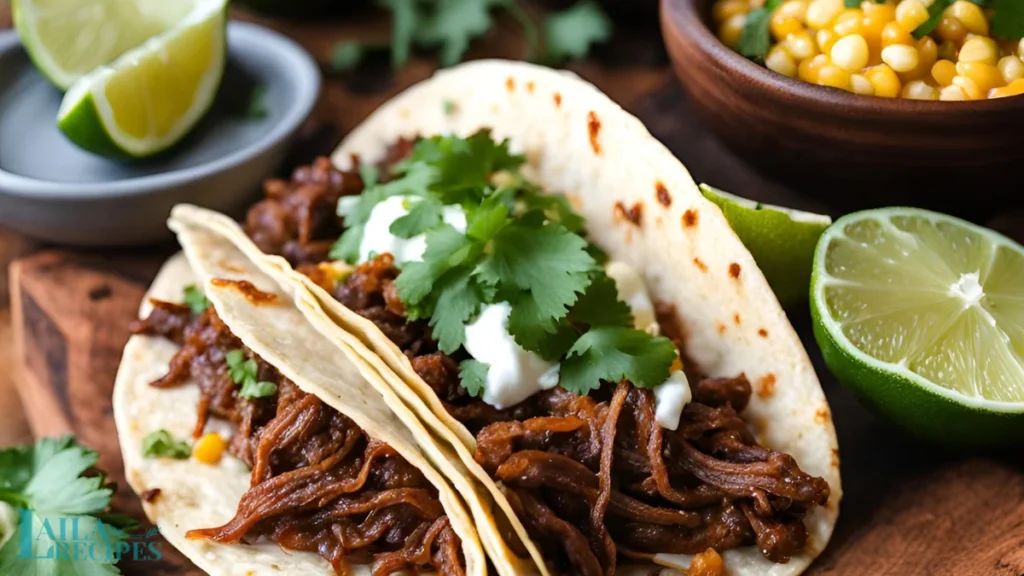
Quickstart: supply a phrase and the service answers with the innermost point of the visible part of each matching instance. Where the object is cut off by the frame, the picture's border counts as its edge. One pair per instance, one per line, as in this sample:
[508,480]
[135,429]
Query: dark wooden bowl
[963,158]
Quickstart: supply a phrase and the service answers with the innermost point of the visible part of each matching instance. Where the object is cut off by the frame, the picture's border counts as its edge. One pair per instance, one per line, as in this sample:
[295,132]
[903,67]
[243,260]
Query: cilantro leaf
[369,173]
[557,209]
[253,389]
[257,107]
[599,305]
[462,165]
[161,444]
[446,249]
[614,354]
[472,376]
[1008,20]
[195,299]
[405,19]
[346,56]
[491,216]
[935,12]
[458,300]
[537,333]
[571,32]
[452,25]
[423,215]
[346,247]
[756,39]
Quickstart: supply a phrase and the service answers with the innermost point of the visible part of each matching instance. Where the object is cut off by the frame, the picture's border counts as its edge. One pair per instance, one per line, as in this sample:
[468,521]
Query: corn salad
[871,50]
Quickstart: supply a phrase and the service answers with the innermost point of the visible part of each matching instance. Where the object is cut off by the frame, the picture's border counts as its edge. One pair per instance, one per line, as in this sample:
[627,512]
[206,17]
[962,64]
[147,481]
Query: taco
[322,478]
[551,295]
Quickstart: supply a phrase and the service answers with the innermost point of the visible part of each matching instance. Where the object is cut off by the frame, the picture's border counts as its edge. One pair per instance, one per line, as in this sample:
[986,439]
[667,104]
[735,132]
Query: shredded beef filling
[319,483]
[594,478]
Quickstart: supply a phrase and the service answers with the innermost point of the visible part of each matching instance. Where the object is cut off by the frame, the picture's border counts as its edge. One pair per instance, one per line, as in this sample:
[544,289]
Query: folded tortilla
[643,209]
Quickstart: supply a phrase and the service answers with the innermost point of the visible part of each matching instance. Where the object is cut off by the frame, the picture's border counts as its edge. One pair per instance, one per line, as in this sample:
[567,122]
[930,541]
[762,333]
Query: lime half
[782,240]
[150,97]
[922,315]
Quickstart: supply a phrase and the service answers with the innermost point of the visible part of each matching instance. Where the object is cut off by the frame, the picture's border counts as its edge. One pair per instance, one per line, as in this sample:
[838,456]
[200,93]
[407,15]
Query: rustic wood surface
[909,508]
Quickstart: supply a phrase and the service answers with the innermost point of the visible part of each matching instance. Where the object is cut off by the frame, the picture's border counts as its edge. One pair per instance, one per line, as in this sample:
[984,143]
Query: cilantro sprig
[161,444]
[521,247]
[245,373]
[755,40]
[195,299]
[49,483]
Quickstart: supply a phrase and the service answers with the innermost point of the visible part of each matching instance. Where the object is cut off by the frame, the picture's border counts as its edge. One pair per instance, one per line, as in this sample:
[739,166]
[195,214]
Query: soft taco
[541,282]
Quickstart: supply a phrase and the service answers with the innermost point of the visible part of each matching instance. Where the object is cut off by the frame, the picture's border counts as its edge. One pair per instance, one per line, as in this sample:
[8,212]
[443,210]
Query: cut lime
[781,239]
[150,97]
[68,39]
[922,315]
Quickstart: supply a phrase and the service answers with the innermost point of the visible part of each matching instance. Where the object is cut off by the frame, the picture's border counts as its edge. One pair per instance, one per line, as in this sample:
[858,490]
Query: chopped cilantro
[48,481]
[257,102]
[448,106]
[472,375]
[756,38]
[614,354]
[935,11]
[245,372]
[423,215]
[161,444]
[1008,20]
[600,304]
[345,56]
[571,32]
[195,299]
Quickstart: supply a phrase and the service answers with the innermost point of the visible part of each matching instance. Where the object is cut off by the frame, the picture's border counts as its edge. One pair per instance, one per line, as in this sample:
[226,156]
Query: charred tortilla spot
[721,327]
[700,264]
[246,288]
[762,333]
[594,129]
[150,495]
[558,100]
[634,214]
[835,457]
[736,318]
[510,84]
[821,415]
[734,270]
[661,193]
[529,86]
[766,386]
[690,218]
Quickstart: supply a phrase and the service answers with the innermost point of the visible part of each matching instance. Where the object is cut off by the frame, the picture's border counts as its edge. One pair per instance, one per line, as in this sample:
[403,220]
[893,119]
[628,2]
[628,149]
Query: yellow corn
[209,448]
[881,12]
[910,14]
[801,46]
[1011,68]
[948,51]
[861,85]
[943,72]
[900,57]
[779,60]
[782,25]
[849,22]
[826,39]
[821,13]
[969,87]
[850,53]
[951,29]
[808,69]
[970,15]
[927,54]
[919,90]
[893,33]
[834,76]
[731,30]
[983,50]
[793,9]
[886,82]
[1015,88]
[952,94]
[985,76]
[726,9]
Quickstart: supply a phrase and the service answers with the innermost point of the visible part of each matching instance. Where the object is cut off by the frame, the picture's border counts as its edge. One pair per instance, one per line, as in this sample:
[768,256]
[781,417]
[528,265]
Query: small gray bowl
[52,190]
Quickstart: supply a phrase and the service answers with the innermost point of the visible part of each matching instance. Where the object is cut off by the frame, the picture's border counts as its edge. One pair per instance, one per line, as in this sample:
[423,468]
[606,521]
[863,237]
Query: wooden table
[908,509]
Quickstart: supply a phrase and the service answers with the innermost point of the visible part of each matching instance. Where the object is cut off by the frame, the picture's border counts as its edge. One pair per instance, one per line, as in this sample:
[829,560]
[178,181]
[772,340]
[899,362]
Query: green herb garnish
[756,37]
[1008,20]
[161,444]
[195,299]
[245,372]
[571,33]
[257,102]
[346,56]
[935,12]
[472,375]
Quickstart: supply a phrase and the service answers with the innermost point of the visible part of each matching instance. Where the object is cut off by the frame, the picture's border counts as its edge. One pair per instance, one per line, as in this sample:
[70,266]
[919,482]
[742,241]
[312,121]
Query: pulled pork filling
[319,483]
[594,478]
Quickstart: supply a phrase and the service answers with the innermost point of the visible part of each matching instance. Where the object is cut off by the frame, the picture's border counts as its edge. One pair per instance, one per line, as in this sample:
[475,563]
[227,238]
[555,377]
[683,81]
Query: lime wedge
[68,39]
[782,240]
[150,97]
[922,315]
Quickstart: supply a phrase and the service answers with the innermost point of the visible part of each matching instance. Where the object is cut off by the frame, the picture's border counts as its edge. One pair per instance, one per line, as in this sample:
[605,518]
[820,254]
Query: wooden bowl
[852,152]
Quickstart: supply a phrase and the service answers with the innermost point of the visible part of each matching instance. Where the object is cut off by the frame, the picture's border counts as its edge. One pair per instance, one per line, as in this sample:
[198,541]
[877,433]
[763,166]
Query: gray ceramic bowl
[53,191]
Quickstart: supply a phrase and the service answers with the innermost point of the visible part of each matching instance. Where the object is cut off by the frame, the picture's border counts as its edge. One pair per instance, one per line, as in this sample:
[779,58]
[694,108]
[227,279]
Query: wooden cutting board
[908,508]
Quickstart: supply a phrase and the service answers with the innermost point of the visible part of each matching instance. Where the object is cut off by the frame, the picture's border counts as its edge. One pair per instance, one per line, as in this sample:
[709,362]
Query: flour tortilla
[581,144]
[195,495]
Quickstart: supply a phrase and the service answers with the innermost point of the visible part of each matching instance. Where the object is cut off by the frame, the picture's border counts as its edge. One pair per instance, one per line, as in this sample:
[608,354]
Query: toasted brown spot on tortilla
[634,214]
[700,264]
[734,270]
[721,327]
[736,318]
[821,415]
[835,460]
[658,220]
[251,293]
[766,385]
[231,267]
[594,129]
[558,100]
[762,333]
[661,193]
[510,84]
[150,495]
[529,86]
[690,218]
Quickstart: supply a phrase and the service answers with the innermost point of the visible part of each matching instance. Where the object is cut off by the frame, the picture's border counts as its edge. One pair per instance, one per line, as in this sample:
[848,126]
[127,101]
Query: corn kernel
[871,29]
[886,82]
[970,15]
[901,58]
[849,22]
[779,60]
[821,13]
[882,12]
[834,76]
[801,46]
[783,26]
[826,39]
[951,29]
[209,448]
[943,72]
[948,51]
[969,87]
[861,85]
[893,33]
[952,94]
[793,9]
[725,9]
[850,53]
[1015,88]
[983,50]
[919,90]
[808,69]
[985,76]
[910,14]
[731,30]
[927,52]
[1011,68]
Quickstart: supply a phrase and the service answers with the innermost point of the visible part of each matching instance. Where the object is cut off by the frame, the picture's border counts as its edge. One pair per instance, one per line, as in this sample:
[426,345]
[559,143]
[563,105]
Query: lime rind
[794,215]
[923,406]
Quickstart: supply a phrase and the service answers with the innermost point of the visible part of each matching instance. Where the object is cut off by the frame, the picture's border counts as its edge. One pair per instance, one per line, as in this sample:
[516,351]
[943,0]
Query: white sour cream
[378,239]
[670,398]
[514,374]
[633,292]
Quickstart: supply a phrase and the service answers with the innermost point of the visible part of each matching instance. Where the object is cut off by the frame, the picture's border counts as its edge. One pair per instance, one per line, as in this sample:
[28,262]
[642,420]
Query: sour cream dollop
[670,398]
[377,236]
[514,374]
